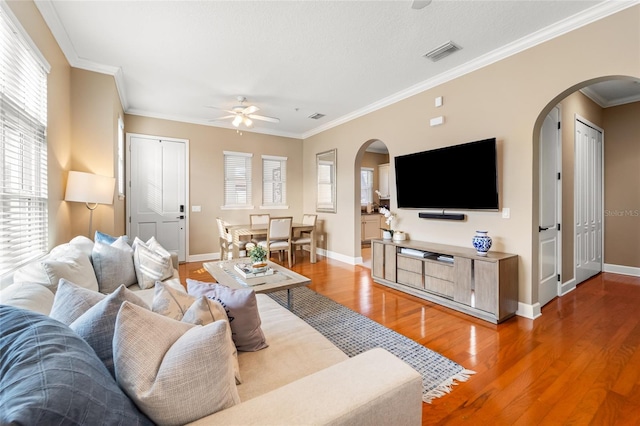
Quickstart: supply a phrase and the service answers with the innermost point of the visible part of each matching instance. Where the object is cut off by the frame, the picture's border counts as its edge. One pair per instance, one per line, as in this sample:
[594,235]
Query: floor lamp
[89,189]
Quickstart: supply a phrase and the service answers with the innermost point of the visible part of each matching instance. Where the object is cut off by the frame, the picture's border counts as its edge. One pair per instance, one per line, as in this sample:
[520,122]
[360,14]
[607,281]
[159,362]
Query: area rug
[354,333]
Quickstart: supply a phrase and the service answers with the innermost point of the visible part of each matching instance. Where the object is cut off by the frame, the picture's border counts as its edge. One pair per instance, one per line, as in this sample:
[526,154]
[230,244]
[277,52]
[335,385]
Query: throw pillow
[32,296]
[96,326]
[175,372]
[71,301]
[50,376]
[106,238]
[152,262]
[82,243]
[181,306]
[113,265]
[71,264]
[242,310]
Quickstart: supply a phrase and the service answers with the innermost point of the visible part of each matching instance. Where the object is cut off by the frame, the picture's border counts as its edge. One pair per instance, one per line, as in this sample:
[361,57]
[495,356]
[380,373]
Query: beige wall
[59,117]
[95,110]
[622,185]
[579,104]
[506,100]
[206,146]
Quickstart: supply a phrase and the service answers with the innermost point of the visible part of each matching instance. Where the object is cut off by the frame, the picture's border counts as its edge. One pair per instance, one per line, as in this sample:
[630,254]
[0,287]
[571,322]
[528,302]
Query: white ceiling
[172,59]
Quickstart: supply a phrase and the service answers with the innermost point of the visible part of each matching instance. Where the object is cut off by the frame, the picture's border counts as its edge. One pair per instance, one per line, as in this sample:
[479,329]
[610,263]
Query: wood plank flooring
[578,364]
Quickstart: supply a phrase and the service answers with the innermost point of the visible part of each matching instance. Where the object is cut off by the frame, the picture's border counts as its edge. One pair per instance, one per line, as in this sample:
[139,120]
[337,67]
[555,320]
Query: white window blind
[325,184]
[23,153]
[274,181]
[237,179]
[366,185]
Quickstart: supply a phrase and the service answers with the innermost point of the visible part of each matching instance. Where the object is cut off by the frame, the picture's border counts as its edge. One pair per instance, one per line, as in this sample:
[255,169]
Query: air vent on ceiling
[316,116]
[443,50]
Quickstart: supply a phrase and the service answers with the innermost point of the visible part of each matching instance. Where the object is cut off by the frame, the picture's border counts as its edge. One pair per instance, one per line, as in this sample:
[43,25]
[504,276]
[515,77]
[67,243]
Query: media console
[456,277]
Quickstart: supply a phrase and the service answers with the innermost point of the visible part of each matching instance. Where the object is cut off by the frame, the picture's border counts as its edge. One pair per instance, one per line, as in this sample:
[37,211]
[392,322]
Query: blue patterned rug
[354,333]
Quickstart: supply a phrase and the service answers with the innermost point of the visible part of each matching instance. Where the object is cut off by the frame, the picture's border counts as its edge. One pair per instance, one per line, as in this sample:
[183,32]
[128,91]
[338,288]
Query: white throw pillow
[174,372]
[32,296]
[113,264]
[152,262]
[181,306]
[71,264]
[83,244]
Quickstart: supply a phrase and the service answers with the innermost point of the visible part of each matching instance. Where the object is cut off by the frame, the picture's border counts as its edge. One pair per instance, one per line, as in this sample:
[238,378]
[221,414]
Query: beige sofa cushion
[295,350]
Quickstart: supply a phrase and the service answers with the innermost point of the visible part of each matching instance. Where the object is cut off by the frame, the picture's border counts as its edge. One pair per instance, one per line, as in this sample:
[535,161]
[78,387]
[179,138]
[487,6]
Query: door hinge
[129,219]
[558,227]
[558,277]
[559,125]
[559,175]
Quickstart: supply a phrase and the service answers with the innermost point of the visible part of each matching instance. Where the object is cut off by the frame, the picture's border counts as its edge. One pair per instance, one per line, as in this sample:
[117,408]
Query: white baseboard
[528,311]
[568,286]
[624,270]
[206,257]
[337,256]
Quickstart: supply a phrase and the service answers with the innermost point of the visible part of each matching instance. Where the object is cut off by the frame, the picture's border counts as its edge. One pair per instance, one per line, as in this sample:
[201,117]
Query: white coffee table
[282,278]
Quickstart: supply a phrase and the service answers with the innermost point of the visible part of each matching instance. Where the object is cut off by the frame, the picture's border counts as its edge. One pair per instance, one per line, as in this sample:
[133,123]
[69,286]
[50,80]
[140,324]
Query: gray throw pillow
[96,326]
[242,310]
[113,264]
[50,376]
[175,372]
[71,301]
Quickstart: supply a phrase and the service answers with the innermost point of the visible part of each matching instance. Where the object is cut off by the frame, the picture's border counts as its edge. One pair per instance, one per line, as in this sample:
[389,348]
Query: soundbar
[444,216]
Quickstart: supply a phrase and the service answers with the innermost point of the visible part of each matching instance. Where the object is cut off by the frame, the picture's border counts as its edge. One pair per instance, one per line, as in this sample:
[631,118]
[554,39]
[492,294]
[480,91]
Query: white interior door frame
[600,196]
[128,164]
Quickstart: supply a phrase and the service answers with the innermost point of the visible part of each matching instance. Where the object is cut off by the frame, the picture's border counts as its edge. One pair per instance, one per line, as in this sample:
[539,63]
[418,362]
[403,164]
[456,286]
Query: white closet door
[588,201]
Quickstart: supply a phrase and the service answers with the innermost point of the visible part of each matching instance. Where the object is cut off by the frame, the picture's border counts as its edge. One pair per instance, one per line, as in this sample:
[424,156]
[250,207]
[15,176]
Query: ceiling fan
[243,114]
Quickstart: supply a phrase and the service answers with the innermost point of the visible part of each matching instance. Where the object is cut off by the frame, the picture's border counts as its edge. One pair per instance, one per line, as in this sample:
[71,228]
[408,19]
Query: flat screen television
[455,177]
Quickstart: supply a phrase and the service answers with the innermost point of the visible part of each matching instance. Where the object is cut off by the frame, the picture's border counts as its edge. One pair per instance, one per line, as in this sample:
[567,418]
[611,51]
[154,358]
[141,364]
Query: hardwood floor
[578,364]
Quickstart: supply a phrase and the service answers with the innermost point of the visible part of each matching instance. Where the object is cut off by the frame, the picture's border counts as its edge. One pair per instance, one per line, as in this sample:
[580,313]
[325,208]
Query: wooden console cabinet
[456,277]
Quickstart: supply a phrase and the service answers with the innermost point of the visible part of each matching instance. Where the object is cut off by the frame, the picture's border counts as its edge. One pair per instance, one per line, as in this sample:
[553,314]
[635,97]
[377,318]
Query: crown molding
[595,13]
[229,126]
[603,103]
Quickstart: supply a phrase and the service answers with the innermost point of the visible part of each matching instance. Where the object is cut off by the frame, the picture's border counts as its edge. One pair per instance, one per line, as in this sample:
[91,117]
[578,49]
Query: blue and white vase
[481,242]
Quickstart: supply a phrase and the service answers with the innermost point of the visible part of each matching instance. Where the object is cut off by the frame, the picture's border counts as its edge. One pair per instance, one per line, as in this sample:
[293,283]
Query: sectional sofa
[154,368]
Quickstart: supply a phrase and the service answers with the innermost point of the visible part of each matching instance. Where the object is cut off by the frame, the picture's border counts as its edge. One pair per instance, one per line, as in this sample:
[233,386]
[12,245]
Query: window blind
[274,181]
[23,149]
[237,179]
[325,184]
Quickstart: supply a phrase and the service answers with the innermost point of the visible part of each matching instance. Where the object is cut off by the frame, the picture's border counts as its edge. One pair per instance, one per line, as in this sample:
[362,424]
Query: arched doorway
[606,103]
[372,190]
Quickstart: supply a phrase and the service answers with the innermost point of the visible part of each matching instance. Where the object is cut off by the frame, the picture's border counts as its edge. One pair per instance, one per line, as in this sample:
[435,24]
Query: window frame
[369,195]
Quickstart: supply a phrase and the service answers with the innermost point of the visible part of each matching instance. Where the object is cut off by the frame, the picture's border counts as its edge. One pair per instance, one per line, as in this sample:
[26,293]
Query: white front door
[588,200]
[549,214]
[157,200]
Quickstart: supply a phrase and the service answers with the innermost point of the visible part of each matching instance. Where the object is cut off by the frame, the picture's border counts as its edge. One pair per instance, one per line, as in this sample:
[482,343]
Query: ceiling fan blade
[263,118]
[222,118]
[419,4]
[250,110]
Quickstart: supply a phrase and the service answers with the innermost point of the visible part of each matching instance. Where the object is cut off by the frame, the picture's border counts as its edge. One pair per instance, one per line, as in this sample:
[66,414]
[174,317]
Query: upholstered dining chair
[304,239]
[226,240]
[278,236]
[258,221]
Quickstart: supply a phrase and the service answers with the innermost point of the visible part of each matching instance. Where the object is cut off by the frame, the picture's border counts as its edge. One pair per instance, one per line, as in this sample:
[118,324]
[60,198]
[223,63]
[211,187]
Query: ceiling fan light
[236,121]
[248,122]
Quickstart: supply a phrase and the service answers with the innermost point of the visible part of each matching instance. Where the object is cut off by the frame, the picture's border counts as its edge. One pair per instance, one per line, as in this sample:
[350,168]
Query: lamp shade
[89,188]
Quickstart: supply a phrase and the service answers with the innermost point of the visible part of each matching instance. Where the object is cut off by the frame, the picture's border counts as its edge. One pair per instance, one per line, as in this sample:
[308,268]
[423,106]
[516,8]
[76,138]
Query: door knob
[542,228]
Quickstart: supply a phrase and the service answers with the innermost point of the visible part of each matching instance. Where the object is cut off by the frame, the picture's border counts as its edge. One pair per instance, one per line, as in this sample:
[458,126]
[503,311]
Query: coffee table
[282,278]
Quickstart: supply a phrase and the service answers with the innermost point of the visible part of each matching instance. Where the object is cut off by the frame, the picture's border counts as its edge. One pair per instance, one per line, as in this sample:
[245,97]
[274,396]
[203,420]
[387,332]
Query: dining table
[239,231]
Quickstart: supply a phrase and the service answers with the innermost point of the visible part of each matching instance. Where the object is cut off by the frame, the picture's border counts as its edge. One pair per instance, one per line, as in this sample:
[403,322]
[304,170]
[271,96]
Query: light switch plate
[438,101]
[506,212]
[437,121]
[196,208]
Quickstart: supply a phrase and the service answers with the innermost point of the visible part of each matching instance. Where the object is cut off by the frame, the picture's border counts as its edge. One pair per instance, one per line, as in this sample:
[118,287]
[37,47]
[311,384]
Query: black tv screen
[455,177]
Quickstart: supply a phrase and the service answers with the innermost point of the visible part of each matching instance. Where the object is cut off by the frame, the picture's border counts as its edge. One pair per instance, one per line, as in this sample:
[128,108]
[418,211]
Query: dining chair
[305,236]
[258,221]
[226,240]
[279,236]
